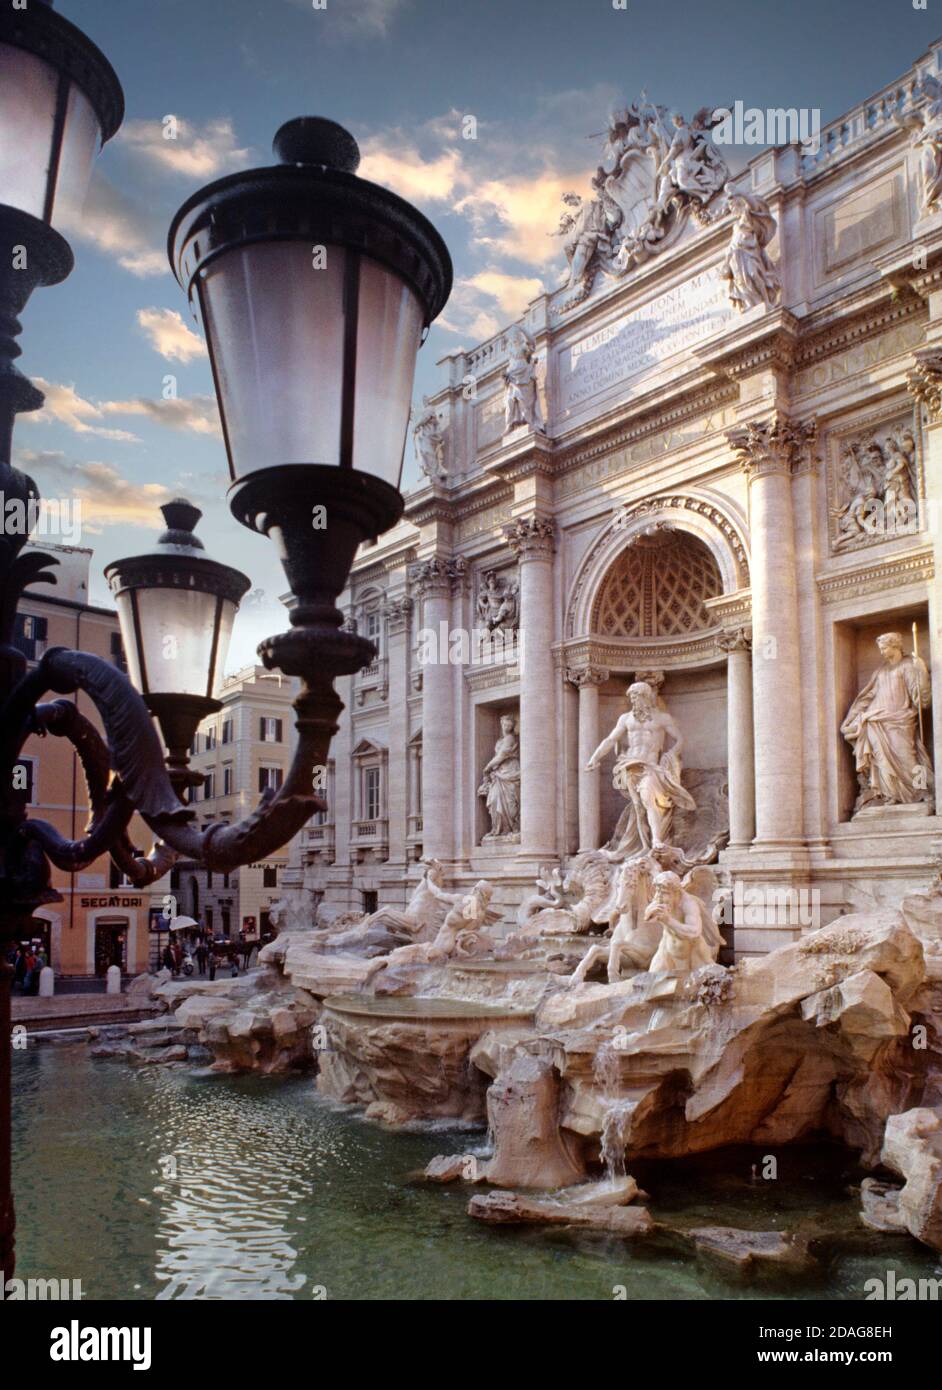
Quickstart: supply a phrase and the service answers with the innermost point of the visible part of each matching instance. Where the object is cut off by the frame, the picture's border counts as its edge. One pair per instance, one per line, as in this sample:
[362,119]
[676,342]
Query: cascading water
[618,1112]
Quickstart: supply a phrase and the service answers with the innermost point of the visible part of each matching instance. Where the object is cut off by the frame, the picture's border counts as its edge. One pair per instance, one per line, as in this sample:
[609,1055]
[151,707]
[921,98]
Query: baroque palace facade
[712,460]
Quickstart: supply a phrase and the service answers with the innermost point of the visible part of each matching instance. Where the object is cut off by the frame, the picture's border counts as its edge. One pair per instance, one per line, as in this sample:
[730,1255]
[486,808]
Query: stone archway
[657,587]
[655,593]
[720,530]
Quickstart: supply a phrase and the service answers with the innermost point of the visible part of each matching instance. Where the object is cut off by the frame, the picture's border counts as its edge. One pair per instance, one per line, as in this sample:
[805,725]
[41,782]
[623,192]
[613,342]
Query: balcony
[319,842]
[370,835]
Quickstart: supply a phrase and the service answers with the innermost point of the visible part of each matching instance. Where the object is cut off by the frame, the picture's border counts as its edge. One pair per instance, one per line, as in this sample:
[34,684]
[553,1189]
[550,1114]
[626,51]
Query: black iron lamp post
[315,289]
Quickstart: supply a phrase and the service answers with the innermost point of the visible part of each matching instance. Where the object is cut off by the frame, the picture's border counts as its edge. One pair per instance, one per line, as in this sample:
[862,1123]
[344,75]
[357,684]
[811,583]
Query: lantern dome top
[317,140]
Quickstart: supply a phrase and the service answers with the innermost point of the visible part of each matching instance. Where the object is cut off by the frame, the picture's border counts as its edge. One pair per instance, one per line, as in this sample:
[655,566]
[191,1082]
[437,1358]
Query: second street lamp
[176,608]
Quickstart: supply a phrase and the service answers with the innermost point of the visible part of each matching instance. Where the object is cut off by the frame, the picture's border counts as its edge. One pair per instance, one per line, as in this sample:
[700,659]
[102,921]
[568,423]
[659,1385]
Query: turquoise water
[153,1183]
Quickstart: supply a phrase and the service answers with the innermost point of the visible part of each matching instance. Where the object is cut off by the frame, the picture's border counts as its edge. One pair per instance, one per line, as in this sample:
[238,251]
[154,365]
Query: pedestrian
[166,959]
[202,955]
[19,969]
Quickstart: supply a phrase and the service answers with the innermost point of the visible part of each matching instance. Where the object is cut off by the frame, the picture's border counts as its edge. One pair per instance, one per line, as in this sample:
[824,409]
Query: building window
[227,780]
[209,878]
[227,731]
[270,777]
[117,652]
[270,876]
[24,779]
[225,880]
[30,634]
[320,817]
[226,927]
[270,730]
[209,786]
[210,740]
[175,878]
[370,901]
[371,793]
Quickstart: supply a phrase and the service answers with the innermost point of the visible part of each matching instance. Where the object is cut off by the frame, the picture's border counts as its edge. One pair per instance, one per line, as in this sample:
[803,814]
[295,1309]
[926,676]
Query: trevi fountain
[643,885]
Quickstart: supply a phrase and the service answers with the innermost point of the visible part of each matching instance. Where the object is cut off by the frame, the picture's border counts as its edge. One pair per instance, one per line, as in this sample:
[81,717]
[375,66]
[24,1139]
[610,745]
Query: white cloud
[107,498]
[173,143]
[169,335]
[194,414]
[408,173]
[66,407]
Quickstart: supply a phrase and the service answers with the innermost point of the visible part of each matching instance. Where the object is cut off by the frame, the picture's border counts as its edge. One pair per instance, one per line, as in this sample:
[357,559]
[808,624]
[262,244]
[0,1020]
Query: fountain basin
[407,1059]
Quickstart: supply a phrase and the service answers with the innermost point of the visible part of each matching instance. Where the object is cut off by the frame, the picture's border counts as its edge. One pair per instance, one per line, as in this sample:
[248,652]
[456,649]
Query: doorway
[111,945]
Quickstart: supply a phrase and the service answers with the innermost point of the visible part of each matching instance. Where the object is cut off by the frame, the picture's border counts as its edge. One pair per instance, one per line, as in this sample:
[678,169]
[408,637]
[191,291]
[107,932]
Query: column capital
[776,444]
[437,575]
[530,537]
[924,381]
[735,640]
[587,675]
[397,612]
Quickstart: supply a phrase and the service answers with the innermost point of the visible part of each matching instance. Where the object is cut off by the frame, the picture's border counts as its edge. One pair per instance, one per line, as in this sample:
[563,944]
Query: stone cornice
[485,677]
[845,331]
[755,345]
[676,410]
[636,654]
[914,567]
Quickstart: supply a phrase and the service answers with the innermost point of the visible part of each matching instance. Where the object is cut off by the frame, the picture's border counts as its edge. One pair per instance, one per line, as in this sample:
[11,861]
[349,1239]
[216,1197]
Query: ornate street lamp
[59,102]
[176,608]
[315,289]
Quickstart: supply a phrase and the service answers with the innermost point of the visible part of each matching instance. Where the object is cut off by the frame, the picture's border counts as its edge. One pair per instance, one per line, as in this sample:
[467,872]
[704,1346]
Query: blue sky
[539,76]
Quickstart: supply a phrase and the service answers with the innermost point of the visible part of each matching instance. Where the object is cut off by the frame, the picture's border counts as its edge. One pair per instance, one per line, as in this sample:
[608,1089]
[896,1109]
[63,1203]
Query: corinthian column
[740,740]
[925,384]
[531,539]
[588,679]
[397,613]
[768,451]
[432,582]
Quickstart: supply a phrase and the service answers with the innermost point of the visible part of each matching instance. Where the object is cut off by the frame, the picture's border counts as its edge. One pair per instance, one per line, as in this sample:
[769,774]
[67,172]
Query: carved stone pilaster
[924,381]
[737,641]
[775,445]
[397,612]
[587,675]
[530,537]
[436,575]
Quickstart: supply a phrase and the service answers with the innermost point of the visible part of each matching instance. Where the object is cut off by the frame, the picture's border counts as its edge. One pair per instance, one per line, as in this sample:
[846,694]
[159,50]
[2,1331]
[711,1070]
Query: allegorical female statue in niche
[501,783]
[882,727]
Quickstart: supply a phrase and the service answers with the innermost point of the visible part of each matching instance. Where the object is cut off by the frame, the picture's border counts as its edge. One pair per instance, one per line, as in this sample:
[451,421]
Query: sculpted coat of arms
[656,170]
